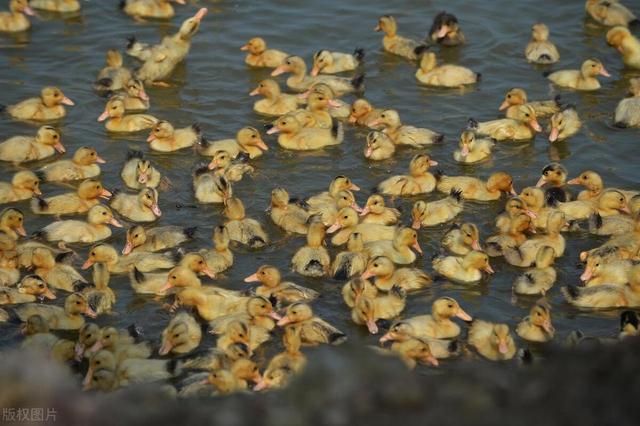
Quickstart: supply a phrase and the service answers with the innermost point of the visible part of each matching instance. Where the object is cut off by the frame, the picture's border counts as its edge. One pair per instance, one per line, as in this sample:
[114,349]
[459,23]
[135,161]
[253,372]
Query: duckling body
[156,239]
[15,20]
[77,231]
[220,257]
[522,127]
[300,81]
[540,50]
[120,123]
[363,113]
[419,180]
[627,44]
[296,137]
[165,138]
[312,260]
[517,96]
[396,44]
[141,207]
[600,296]
[157,9]
[447,75]
[539,279]
[247,140]
[68,317]
[328,62]
[437,212]
[352,262]
[144,262]
[609,13]
[87,195]
[48,106]
[21,149]
[182,335]
[313,330]
[272,285]
[386,275]
[582,79]
[260,56]
[85,164]
[57,275]
[472,149]
[347,223]
[375,211]
[210,187]
[288,216]
[242,229]
[492,341]
[369,310]
[467,269]
[402,134]
[627,112]
[275,103]
[477,189]
[525,254]
[24,185]
[134,96]
[114,76]
[398,249]
[379,146]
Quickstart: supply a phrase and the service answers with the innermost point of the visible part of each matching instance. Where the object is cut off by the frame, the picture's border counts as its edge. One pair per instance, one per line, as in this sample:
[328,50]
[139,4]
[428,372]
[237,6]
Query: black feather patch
[122,4]
[629,318]
[573,291]
[268,126]
[478,76]
[529,278]
[131,41]
[456,194]
[383,323]
[196,128]
[337,338]
[558,100]
[439,137]
[358,53]
[243,157]
[472,124]
[190,232]
[137,275]
[64,257]
[135,331]
[42,203]
[105,82]
[544,57]
[41,234]
[79,286]
[439,173]
[135,154]
[547,73]
[620,125]
[343,272]
[454,346]
[553,196]
[203,142]
[420,49]
[177,255]
[335,126]
[3,108]
[526,357]
[200,170]
[256,242]
[358,82]
[314,265]
[635,23]
[40,175]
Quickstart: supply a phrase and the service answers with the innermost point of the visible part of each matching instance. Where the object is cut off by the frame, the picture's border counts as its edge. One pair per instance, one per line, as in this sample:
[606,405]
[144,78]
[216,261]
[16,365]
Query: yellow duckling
[628,45]
[60,6]
[379,146]
[127,371]
[287,215]
[86,196]
[300,81]
[135,98]
[601,270]
[537,326]
[517,96]
[554,179]
[355,289]
[328,62]
[57,275]
[285,364]
[275,103]
[20,149]
[447,75]
[121,343]
[29,289]
[376,211]
[272,286]
[477,189]
[338,183]
[220,257]
[582,79]
[437,325]
[540,50]
[316,114]
[144,262]
[247,140]
[386,275]
[68,317]
[540,278]
[211,304]
[100,296]
[23,185]
[522,127]
[513,237]
[610,202]
[610,13]
[138,172]
[418,181]
[563,125]
[402,134]
[95,228]
[434,213]
[596,297]
[156,239]
[312,260]
[260,56]
[140,207]
[328,211]
[156,9]
[183,275]
[352,262]
[210,187]
[627,112]
[445,30]
[15,20]
[313,330]
[84,164]
[224,165]
[40,339]
[461,239]
[472,149]
[362,113]
[369,310]
[337,108]
[396,44]
[492,341]
[412,351]
[398,249]
[182,335]
[467,269]
[165,138]
[114,76]
[346,223]
[12,223]
[119,122]
[292,135]
[48,106]
[525,253]
[242,229]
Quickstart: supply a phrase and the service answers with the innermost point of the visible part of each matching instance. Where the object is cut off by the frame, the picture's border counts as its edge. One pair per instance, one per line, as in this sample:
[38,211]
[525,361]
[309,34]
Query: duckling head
[321,60]
[500,338]
[471,235]
[148,197]
[100,253]
[279,198]
[292,64]
[615,200]
[21,6]
[13,219]
[387,24]
[223,381]
[477,260]
[447,307]
[275,378]
[359,108]
[533,197]
[86,156]
[162,130]
[595,264]
[295,313]
[52,96]
[342,182]
[399,330]
[180,276]
[365,309]
[407,237]
[114,109]
[174,336]
[27,180]
[143,171]
[135,89]
[379,266]
[443,24]
[250,136]
[36,286]
[541,317]
[467,139]
[539,32]
[590,180]
[103,380]
[554,174]
[389,118]
[266,275]
[136,236]
[558,122]
[47,135]
[527,114]
[255,46]
[238,331]
[521,223]
[101,360]
[355,243]
[515,96]
[234,209]
[593,67]
[375,204]
[418,214]
[268,88]
[92,189]
[501,181]
[259,306]
[420,164]
[347,217]
[190,27]
[195,262]
[76,304]
[43,258]
[287,124]
[419,350]
[88,339]
[245,369]
[616,36]
[100,214]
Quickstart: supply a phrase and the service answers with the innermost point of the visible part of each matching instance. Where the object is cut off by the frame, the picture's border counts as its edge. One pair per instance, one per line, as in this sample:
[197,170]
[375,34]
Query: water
[212,86]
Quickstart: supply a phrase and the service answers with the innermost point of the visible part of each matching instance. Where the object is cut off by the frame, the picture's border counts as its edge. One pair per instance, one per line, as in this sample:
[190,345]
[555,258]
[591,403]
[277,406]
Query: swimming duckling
[247,140]
[312,260]
[119,122]
[288,216]
[512,209]
[273,286]
[100,296]
[275,103]
[80,201]
[68,317]
[181,335]
[220,257]
[627,112]
[610,13]
[183,275]
[540,278]
[156,239]
[242,229]
[327,211]
[48,106]
[396,44]
[595,297]
[300,81]
[292,135]
[419,180]
[369,310]
[138,172]
[386,275]
[30,289]
[582,79]
[20,149]
[357,288]
[210,187]
[601,270]
[375,211]
[94,229]
[140,207]
[363,113]
[537,326]
[15,20]
[337,108]
[467,269]
[402,134]
[156,9]
[554,181]
[517,96]
[346,223]
[610,202]
[352,262]
[12,223]
[258,312]
[23,185]
[39,338]
[445,30]
[563,125]
[398,249]
[260,56]
[477,189]
[338,183]
[240,331]
[540,50]
[514,236]
[134,96]
[524,254]
[328,62]
[461,239]
[313,330]
[114,76]
[492,341]
[522,127]
[144,262]
[472,149]
[233,171]
[56,274]
[84,164]
[379,146]
[165,138]
[127,371]
[285,364]
[437,212]
[447,75]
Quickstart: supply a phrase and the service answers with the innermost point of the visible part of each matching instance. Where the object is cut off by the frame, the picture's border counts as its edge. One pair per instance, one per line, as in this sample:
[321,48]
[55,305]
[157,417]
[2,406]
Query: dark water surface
[212,86]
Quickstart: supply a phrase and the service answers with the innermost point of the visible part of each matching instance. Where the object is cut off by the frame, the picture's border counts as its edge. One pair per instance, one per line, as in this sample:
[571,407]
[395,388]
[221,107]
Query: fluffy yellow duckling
[610,13]
[312,260]
[114,76]
[68,317]
[445,30]
[12,223]
[593,183]
[522,127]
[357,288]
[512,209]
[601,270]
[140,207]
[434,213]
[15,20]
[628,45]
[135,98]
[86,196]
[627,112]
[405,135]
[338,183]
[467,269]
[386,275]
[525,253]
[48,106]
[362,113]
[20,149]
[242,229]
[57,275]
[347,222]
[477,189]
[119,122]
[258,313]
[379,146]
[610,202]
[60,6]
[95,228]
[220,257]
[517,96]
[127,371]
[275,103]
[327,212]
[369,310]
[144,262]
[596,297]
[182,335]
[247,140]
[461,239]
[447,75]
[165,138]
[300,81]
[328,62]
[313,330]
[156,239]
[582,79]
[472,149]
[157,9]
[100,296]
[376,211]
[492,341]
[540,278]
[563,125]
[260,56]
[23,185]
[337,108]
[272,286]
[288,216]
[352,262]
[40,339]
[316,114]
[554,181]
[285,364]
[537,326]
[138,172]
[540,50]
[412,351]
[418,181]
[514,237]
[84,164]
[29,289]
[224,165]
[398,249]
[396,44]
[210,187]
[181,276]
[292,135]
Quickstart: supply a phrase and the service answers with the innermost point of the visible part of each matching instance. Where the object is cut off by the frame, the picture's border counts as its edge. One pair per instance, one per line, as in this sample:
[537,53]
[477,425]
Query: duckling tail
[196,128]
[243,157]
[122,4]
[40,175]
[529,278]
[65,257]
[439,174]
[39,205]
[314,268]
[420,49]
[398,291]
[337,338]
[131,41]
[558,100]
[79,286]
[177,255]
[40,235]
[595,222]
[454,347]
[439,137]
[472,124]
[342,273]
[620,124]
[478,76]
[337,131]
[547,73]
[200,170]
[635,23]
[190,232]
[138,276]
[570,292]
[456,194]
[3,108]
[544,59]
[256,242]
[359,54]
[358,83]
[103,84]
[174,366]
[629,318]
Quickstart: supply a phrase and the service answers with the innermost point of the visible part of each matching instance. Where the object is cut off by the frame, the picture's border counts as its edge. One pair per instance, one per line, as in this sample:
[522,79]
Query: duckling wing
[317,330]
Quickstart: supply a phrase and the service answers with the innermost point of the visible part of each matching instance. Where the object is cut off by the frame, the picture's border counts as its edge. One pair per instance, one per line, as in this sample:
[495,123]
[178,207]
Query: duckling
[386,275]
[513,236]
[628,45]
[312,260]
[156,239]
[338,183]
[20,149]
[12,223]
[379,146]
[327,212]
[135,98]
[94,229]
[240,331]
[540,278]
[156,9]
[337,108]
[492,341]
[467,269]
[114,76]
[582,79]
[128,371]
[517,96]
[296,137]
[247,140]
[363,113]
[352,262]
[396,44]
[375,211]
[39,337]
[447,75]
[85,164]
[23,185]
[86,196]
[610,202]
[48,106]
[412,351]
[328,62]
[68,317]
[318,105]
[600,270]
[369,310]
[472,150]
[181,335]
[210,187]
[300,81]
[260,56]
[288,216]
[181,276]
[57,275]
[596,297]
[627,112]
[435,213]
[220,257]
[554,180]
[119,122]
[610,225]
[100,297]
[275,103]
[313,330]
[346,223]
[15,20]
[419,180]
[461,239]
[273,286]
[525,253]
[357,288]
[522,127]
[144,262]
[445,30]
[259,312]
[165,138]
[211,304]
[563,125]
[242,229]
[537,326]
[540,50]
[477,189]
[223,165]
[398,249]
[402,134]
[140,207]
[610,13]
[138,172]
[30,289]
[285,364]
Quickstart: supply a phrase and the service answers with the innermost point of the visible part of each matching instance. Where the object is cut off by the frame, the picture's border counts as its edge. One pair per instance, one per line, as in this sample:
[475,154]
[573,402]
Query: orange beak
[252,278]
[504,105]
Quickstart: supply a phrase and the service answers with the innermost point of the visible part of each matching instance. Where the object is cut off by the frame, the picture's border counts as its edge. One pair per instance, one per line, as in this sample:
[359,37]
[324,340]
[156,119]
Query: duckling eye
[450,306]
[597,264]
[77,302]
[93,154]
[560,123]
[176,335]
[508,96]
[113,107]
[93,253]
[288,62]
[200,262]
[284,123]
[526,114]
[546,173]
[262,273]
[321,98]
[97,186]
[382,115]
[345,217]
[593,65]
[255,368]
[584,177]
[253,136]
[174,277]
[136,236]
[89,336]
[537,314]
[375,265]
[98,363]
[104,213]
[55,136]
[41,285]
[621,200]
